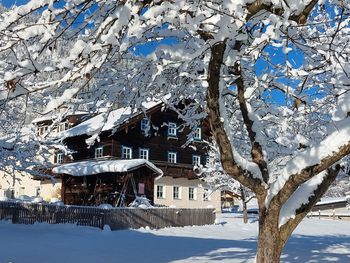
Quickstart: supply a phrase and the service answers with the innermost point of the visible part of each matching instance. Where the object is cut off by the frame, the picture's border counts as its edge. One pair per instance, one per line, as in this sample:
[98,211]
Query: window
[207,160]
[99,152]
[176,192]
[197,134]
[62,127]
[172,129]
[196,160]
[126,152]
[141,189]
[37,191]
[172,157]
[191,193]
[160,192]
[145,125]
[59,157]
[86,89]
[206,194]
[143,153]
[85,92]
[42,130]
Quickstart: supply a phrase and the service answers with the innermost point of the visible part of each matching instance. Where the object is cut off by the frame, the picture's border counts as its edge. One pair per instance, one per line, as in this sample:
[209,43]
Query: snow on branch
[300,197]
[313,160]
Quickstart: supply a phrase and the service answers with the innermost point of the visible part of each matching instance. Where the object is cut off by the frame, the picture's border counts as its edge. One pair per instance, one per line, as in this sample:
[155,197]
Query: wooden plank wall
[118,218]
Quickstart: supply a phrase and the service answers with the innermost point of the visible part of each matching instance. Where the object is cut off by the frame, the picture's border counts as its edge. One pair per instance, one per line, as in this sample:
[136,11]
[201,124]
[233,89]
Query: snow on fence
[118,218]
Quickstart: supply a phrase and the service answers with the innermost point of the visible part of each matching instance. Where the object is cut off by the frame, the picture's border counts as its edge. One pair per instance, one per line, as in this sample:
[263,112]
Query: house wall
[49,189]
[24,184]
[184,202]
[20,183]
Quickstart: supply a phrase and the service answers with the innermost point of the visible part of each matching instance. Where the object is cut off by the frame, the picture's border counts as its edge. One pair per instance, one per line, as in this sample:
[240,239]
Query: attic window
[172,129]
[99,152]
[59,157]
[62,127]
[42,130]
[145,125]
[197,134]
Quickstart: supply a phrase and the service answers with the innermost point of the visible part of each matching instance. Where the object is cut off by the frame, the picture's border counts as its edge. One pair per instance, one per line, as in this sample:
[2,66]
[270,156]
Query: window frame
[193,193]
[59,126]
[178,197]
[172,129]
[197,132]
[146,150]
[158,186]
[126,148]
[145,127]
[37,191]
[172,153]
[59,158]
[194,156]
[99,149]
[206,195]
[43,129]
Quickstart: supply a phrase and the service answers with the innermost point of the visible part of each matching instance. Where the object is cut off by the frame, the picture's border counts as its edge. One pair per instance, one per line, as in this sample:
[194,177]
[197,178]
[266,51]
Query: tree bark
[244,205]
[270,243]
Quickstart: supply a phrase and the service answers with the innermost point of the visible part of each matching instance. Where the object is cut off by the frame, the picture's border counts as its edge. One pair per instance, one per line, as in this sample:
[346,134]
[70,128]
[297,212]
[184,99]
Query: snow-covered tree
[216,178]
[341,186]
[273,77]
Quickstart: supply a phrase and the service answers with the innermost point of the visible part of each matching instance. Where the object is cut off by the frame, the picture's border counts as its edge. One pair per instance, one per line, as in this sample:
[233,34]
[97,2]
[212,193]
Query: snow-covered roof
[331,200]
[110,166]
[48,117]
[102,122]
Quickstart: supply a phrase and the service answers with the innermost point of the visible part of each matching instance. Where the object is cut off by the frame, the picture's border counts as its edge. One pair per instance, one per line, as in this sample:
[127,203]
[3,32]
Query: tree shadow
[317,249]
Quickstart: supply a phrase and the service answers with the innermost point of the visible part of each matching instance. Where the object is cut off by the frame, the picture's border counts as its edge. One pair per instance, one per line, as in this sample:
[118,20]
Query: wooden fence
[118,218]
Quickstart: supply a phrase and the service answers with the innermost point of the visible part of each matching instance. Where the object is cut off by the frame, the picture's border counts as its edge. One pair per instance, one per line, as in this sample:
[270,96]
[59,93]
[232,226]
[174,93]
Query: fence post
[15,216]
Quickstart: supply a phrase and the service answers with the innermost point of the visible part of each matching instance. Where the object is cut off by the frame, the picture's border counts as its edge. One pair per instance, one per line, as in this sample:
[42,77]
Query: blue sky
[9,3]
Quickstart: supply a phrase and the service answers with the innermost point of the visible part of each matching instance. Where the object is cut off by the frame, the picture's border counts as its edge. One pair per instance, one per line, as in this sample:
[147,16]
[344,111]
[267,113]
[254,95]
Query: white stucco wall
[184,202]
[23,184]
[20,183]
[50,189]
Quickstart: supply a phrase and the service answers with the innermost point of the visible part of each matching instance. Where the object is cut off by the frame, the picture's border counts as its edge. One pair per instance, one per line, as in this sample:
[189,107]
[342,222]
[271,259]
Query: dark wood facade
[117,189]
[156,141]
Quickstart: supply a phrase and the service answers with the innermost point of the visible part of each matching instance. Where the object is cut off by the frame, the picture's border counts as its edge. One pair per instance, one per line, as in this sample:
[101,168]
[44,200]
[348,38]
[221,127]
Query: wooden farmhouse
[141,154]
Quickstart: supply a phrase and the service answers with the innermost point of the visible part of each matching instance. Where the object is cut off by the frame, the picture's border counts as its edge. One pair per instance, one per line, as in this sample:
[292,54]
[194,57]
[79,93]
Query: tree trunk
[244,205]
[270,243]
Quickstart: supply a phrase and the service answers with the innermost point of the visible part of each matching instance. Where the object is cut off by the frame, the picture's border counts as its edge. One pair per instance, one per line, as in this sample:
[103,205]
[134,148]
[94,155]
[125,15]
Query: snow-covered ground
[231,241]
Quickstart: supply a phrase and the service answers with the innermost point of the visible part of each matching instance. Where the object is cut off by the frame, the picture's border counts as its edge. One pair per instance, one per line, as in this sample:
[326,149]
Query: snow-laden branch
[311,162]
[300,197]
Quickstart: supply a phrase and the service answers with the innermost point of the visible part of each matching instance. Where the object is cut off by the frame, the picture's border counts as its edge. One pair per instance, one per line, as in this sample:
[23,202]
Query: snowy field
[232,241]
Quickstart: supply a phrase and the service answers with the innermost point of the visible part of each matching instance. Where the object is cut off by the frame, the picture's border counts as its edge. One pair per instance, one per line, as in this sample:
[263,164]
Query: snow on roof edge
[53,116]
[108,166]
